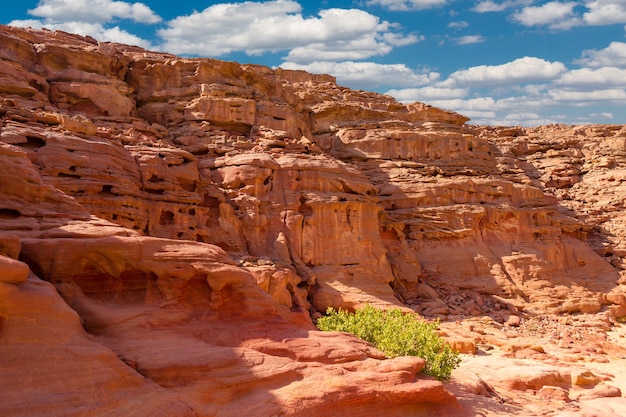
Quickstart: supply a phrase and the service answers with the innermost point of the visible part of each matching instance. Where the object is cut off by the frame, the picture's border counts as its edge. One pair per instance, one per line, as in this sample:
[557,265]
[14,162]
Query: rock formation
[169,227]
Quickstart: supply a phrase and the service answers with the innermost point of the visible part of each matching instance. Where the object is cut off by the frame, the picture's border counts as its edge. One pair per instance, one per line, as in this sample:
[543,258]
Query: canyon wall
[171,225]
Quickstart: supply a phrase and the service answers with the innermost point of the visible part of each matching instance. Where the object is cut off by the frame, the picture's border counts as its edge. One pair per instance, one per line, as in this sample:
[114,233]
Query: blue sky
[499,62]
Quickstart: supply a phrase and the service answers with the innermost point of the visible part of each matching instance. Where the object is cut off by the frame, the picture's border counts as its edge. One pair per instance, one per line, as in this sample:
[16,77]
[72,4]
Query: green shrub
[396,334]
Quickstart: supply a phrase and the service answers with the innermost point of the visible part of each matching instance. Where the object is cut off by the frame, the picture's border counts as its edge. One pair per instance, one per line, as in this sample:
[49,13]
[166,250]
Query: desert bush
[396,334]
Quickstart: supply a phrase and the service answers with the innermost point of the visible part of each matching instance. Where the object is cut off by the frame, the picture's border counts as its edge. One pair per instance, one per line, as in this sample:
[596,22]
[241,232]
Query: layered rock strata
[193,214]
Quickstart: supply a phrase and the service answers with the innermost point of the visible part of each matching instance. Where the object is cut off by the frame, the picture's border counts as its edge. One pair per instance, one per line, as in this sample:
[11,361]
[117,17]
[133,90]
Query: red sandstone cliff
[169,226]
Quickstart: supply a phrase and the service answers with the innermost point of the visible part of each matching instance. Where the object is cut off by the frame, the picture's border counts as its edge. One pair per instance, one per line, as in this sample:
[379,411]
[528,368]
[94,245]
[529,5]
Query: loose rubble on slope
[170,228]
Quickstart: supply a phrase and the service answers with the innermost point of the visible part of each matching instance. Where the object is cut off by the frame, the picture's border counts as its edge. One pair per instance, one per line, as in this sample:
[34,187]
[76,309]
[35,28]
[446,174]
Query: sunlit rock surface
[169,226]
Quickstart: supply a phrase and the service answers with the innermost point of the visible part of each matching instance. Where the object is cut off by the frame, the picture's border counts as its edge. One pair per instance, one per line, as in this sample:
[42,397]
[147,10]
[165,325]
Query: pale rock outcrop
[604,406]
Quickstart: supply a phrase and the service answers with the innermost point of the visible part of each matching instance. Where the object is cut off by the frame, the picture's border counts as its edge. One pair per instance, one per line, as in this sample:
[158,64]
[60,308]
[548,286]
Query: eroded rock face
[194,214]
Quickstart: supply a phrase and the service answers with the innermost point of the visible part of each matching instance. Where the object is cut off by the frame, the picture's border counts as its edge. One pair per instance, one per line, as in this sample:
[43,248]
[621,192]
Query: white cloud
[115,34]
[527,92]
[521,116]
[508,105]
[89,17]
[336,51]
[605,12]
[469,39]
[397,39]
[480,109]
[427,94]
[483,116]
[593,78]
[557,14]
[612,55]
[95,30]
[26,23]
[253,27]
[510,111]
[581,98]
[481,104]
[522,119]
[526,69]
[554,14]
[491,6]
[605,115]
[458,25]
[404,5]
[526,102]
[358,48]
[367,74]
[93,11]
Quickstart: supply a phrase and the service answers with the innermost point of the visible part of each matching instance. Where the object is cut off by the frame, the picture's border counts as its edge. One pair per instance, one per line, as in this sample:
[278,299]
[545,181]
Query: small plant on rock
[396,334]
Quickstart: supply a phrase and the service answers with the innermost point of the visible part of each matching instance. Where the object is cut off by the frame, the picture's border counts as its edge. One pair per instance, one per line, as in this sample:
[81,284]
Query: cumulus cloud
[529,101]
[581,98]
[404,5]
[522,116]
[589,78]
[427,94]
[279,25]
[605,12]
[367,74]
[509,111]
[502,94]
[612,55]
[557,14]
[554,14]
[482,110]
[474,107]
[526,69]
[93,11]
